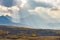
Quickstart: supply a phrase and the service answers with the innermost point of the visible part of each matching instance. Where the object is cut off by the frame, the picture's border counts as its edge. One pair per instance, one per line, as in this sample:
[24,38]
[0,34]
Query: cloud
[10,11]
[43,13]
[52,12]
[33,13]
[48,1]
[42,5]
[52,16]
[4,11]
[55,3]
[3,8]
[33,4]
[21,3]
[44,1]
[39,10]
[13,11]
[14,8]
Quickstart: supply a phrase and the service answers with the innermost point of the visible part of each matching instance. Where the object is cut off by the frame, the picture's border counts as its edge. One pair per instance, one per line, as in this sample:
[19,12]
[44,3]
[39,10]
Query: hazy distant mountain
[5,20]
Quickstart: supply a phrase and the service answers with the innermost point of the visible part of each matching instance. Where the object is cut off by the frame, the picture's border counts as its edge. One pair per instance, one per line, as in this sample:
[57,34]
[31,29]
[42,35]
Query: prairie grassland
[19,33]
[36,38]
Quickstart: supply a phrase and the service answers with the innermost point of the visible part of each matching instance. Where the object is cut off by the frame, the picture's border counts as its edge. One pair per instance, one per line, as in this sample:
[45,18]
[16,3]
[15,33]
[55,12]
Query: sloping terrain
[14,32]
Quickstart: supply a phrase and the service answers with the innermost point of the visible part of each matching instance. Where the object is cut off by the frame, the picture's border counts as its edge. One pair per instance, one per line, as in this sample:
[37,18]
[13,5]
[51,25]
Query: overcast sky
[33,13]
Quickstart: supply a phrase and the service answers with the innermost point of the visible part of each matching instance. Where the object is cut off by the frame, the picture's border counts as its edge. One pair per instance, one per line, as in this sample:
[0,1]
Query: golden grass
[36,38]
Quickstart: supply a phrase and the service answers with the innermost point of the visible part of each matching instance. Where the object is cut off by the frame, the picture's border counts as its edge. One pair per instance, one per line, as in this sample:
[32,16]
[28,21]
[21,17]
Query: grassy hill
[15,32]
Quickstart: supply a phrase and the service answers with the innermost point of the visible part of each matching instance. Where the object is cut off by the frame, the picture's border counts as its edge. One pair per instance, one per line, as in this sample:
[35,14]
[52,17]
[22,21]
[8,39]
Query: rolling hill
[9,31]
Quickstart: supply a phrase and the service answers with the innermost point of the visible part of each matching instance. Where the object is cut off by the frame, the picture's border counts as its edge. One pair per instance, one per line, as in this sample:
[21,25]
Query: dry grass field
[36,38]
[19,33]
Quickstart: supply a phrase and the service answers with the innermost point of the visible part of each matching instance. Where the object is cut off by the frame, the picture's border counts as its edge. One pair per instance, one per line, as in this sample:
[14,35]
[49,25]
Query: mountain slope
[17,30]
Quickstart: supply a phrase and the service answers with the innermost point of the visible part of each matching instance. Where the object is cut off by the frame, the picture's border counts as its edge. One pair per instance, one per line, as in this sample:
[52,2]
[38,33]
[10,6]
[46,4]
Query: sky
[43,14]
